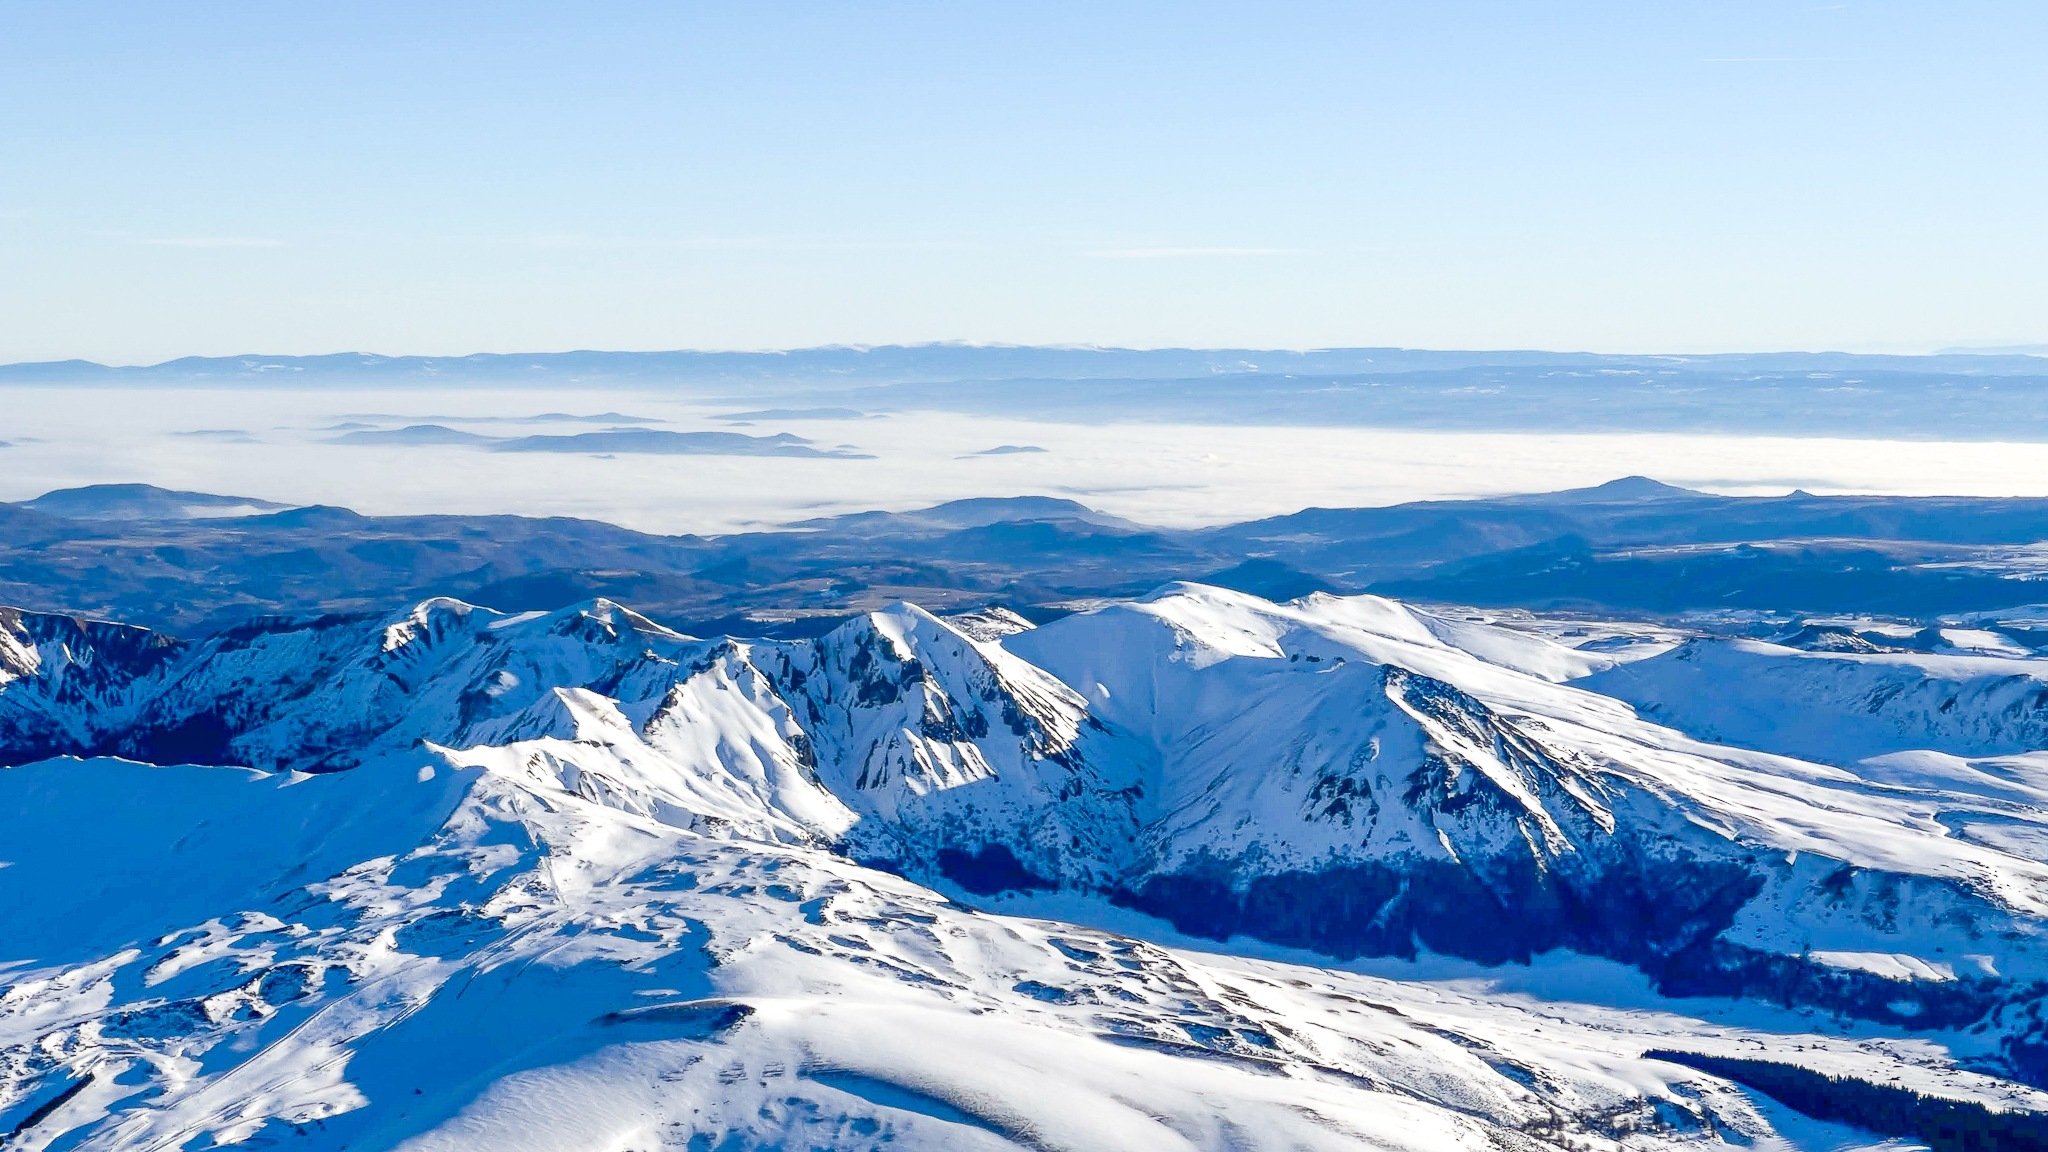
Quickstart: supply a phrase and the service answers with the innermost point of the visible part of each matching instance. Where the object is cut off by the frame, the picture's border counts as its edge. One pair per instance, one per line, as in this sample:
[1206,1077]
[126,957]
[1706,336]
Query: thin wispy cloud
[212,242]
[1172,253]
[579,241]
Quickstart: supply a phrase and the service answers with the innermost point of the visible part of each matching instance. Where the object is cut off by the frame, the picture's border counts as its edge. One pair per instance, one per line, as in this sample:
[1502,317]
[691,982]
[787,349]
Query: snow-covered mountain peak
[1344,774]
[429,622]
[1207,625]
[902,620]
[990,623]
[601,618]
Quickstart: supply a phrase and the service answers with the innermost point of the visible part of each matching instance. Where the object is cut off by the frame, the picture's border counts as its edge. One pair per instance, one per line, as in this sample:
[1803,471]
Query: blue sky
[453,177]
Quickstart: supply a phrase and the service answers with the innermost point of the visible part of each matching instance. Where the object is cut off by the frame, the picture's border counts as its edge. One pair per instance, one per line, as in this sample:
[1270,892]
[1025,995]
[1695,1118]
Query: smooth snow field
[518,968]
[275,445]
[573,881]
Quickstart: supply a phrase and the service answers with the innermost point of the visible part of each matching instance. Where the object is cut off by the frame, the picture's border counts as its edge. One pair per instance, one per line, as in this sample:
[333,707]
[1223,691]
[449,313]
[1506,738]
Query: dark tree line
[1947,1125]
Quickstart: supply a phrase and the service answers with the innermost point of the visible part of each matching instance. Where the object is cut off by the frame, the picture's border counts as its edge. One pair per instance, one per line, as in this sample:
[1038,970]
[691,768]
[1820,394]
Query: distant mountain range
[1954,396]
[958,361]
[193,562]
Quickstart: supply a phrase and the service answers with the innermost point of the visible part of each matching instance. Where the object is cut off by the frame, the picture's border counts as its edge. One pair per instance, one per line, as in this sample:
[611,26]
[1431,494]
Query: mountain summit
[456,878]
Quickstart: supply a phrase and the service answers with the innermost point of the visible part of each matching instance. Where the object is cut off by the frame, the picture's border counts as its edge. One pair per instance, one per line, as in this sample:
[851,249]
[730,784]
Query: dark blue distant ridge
[1955,396]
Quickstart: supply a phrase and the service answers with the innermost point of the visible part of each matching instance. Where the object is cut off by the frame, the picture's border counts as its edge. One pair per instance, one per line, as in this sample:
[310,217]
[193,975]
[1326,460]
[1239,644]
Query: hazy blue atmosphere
[459,177]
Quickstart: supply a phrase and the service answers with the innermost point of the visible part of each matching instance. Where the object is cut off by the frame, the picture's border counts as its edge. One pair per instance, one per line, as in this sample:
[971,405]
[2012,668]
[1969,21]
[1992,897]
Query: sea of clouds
[276,445]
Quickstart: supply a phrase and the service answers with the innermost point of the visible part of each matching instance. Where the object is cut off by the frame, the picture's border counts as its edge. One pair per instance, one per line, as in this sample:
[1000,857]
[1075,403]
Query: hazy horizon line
[2039,350]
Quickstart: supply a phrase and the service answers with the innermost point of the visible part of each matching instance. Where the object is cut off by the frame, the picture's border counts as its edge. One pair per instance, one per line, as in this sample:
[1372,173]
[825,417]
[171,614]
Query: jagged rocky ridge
[1342,774]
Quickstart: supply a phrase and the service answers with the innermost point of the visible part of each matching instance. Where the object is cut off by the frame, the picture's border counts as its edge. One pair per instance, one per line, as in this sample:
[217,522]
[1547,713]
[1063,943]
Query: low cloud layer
[1156,473]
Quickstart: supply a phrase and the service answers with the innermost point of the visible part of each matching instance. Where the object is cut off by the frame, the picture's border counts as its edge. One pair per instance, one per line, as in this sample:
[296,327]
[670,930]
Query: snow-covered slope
[427,954]
[1335,775]
[456,822]
[1838,707]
